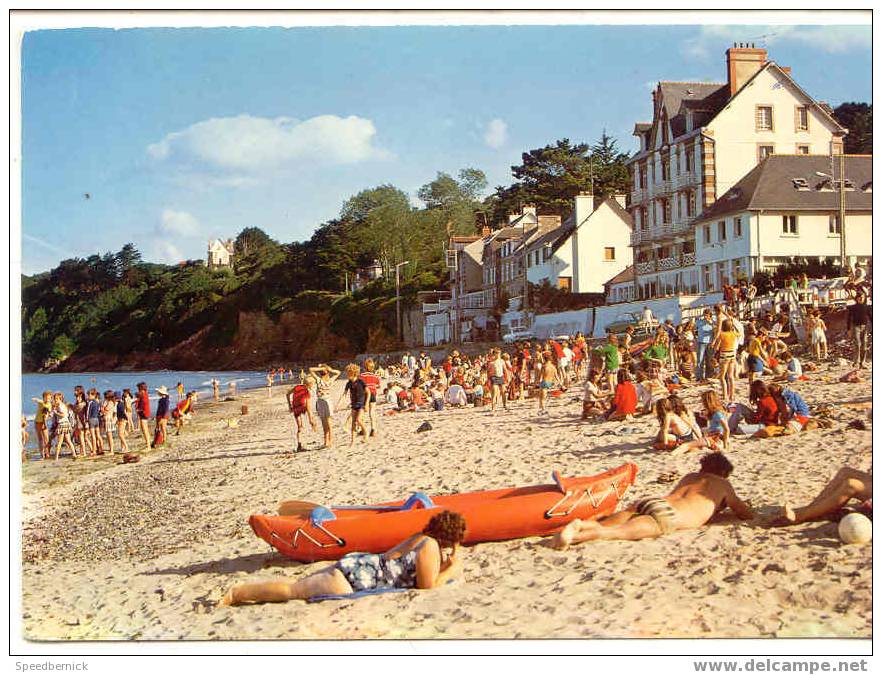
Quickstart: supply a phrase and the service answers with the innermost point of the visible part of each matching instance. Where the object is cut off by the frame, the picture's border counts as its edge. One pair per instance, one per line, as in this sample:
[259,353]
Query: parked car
[629,319]
[517,336]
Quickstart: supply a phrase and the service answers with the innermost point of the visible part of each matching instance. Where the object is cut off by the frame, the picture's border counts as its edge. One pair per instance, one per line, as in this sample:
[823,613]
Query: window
[677,162]
[690,203]
[763,151]
[609,252]
[803,150]
[764,118]
[666,169]
[737,226]
[835,225]
[789,224]
[546,253]
[644,218]
[707,235]
[666,210]
[642,176]
[721,230]
[690,149]
[802,118]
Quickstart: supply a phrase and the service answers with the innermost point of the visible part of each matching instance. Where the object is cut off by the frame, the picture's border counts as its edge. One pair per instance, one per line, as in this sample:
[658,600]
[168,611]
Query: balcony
[688,259]
[683,180]
[638,195]
[645,267]
[668,263]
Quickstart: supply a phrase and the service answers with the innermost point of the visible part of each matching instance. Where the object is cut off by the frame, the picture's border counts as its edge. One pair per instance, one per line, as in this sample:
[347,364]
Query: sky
[169,137]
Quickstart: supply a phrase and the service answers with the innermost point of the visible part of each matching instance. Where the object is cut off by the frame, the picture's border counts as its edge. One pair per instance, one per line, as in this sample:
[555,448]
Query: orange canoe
[492,515]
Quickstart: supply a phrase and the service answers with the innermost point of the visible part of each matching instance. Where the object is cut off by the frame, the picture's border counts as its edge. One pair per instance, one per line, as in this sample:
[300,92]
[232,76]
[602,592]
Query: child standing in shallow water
[63,427]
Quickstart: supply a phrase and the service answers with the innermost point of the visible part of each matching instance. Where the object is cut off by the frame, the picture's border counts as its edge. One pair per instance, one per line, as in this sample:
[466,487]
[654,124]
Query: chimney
[529,208]
[622,200]
[485,232]
[584,207]
[742,63]
[788,70]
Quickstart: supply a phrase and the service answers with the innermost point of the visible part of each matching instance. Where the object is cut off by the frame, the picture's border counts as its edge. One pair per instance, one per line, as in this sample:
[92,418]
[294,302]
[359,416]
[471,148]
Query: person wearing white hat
[162,413]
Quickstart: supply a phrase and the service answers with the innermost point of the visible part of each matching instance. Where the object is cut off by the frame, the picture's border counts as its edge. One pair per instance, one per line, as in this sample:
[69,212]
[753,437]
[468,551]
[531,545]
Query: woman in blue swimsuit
[421,561]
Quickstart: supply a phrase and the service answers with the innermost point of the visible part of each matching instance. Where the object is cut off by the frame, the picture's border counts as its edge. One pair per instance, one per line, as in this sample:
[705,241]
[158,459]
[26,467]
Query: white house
[220,253]
[786,210]
[592,245]
[704,137]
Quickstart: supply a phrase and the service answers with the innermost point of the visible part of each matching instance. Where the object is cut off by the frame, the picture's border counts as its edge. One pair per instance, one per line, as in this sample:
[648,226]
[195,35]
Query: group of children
[86,426]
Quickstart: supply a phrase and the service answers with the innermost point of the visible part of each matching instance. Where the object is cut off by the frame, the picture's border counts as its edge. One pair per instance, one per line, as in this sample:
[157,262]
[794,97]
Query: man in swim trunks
[694,501]
[546,380]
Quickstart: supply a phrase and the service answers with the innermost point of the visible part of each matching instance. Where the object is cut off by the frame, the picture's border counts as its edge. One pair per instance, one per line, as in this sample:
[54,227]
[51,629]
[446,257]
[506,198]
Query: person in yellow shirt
[44,411]
[725,344]
[757,357]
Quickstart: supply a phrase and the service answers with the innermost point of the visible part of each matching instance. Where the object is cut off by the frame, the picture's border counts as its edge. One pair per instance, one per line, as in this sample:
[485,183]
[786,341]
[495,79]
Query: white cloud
[178,223]
[496,133]
[713,40]
[167,252]
[234,151]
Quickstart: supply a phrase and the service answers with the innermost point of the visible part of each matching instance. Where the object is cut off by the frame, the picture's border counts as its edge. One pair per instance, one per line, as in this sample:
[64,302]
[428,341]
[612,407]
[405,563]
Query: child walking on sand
[298,403]
[357,397]
[325,376]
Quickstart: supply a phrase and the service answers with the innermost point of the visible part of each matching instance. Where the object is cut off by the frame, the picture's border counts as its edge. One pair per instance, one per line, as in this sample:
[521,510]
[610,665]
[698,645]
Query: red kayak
[321,533]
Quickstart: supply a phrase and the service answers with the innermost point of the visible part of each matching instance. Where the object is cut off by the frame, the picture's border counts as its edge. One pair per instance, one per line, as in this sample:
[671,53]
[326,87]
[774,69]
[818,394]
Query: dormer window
[801,184]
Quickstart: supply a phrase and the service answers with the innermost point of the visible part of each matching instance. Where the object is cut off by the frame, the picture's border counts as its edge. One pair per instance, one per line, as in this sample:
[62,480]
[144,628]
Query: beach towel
[357,594]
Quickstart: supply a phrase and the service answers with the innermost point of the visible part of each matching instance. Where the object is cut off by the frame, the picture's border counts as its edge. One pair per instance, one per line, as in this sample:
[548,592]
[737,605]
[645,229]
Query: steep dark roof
[626,274]
[772,185]
[708,96]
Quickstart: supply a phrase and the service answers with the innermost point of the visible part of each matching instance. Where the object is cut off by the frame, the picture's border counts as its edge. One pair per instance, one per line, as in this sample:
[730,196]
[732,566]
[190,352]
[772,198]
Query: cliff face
[258,342]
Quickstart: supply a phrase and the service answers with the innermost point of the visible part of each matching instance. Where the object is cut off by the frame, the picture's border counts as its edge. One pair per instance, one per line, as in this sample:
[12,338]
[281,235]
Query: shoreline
[144,550]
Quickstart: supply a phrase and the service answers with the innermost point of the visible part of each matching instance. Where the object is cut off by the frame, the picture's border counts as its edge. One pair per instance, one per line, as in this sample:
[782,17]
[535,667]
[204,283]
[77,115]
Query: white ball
[855,528]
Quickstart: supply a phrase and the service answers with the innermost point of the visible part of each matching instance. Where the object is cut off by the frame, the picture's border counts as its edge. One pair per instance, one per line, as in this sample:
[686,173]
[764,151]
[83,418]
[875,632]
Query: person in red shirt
[142,407]
[625,400]
[372,383]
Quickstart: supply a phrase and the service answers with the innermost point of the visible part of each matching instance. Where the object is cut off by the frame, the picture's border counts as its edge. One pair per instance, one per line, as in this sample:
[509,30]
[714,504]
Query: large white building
[785,211]
[592,245]
[220,253]
[704,137]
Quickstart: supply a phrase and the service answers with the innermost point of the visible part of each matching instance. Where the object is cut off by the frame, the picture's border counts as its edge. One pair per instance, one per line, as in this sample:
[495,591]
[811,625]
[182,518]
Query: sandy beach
[144,551]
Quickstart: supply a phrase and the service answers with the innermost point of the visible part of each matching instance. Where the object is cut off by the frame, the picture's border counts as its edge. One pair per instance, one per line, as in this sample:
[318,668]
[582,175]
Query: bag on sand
[158,438]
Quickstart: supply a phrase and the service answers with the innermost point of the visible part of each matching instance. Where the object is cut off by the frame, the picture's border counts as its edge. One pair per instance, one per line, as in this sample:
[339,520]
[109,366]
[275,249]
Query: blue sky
[180,135]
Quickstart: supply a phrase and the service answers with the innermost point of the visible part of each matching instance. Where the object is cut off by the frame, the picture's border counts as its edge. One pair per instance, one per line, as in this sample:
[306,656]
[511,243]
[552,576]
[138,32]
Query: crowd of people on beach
[643,371]
[94,423]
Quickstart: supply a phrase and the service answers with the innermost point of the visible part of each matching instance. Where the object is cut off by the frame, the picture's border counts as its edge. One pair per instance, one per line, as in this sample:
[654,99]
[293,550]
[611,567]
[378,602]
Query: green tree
[62,347]
[251,240]
[858,119]
[608,169]
[552,176]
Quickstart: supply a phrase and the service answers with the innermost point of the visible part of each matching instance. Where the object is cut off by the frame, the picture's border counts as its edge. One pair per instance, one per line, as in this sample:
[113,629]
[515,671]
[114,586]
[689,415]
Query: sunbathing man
[846,485]
[694,501]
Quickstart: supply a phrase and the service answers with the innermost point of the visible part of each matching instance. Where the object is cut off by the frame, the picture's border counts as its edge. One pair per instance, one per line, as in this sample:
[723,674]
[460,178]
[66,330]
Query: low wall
[562,323]
[662,309]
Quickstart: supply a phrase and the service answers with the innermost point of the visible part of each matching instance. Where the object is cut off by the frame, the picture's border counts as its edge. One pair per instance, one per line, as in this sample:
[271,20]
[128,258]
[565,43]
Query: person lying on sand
[421,561]
[846,485]
[693,502]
